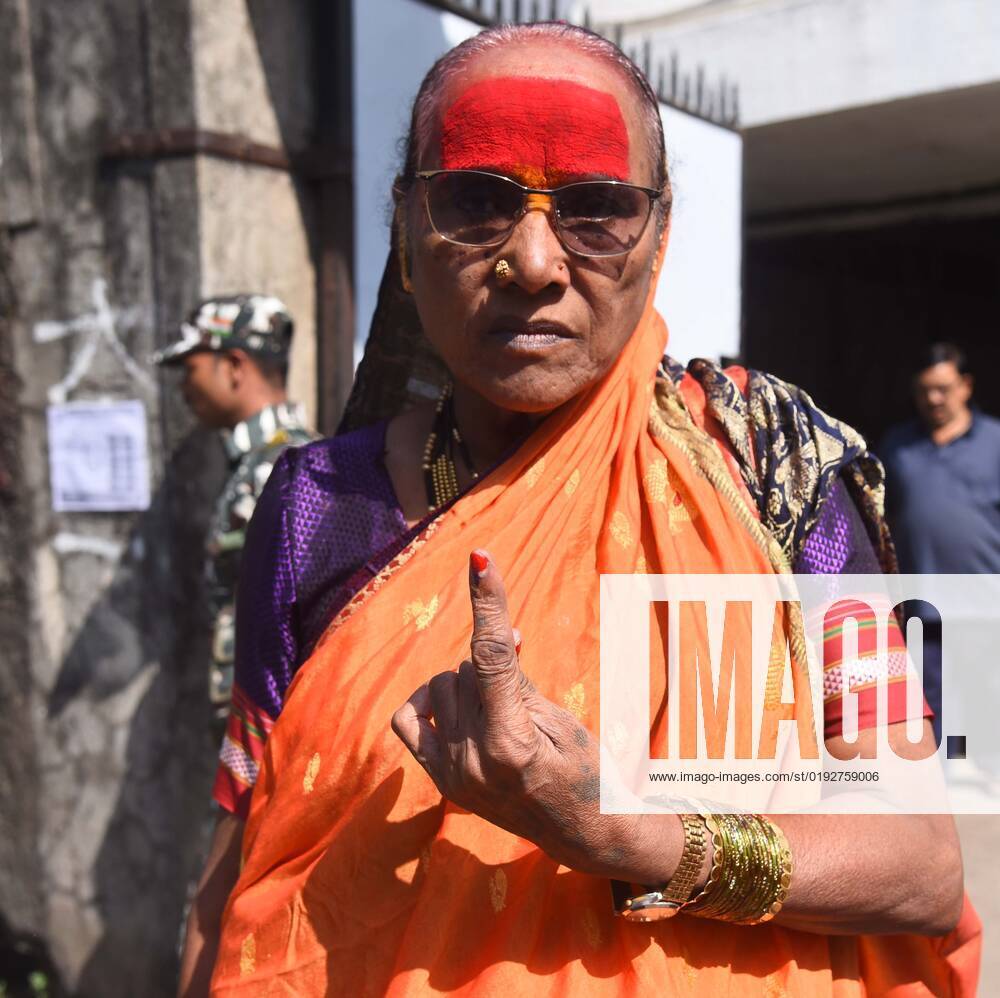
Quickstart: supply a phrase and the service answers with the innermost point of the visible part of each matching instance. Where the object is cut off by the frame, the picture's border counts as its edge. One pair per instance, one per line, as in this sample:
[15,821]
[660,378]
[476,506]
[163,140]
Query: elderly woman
[425,814]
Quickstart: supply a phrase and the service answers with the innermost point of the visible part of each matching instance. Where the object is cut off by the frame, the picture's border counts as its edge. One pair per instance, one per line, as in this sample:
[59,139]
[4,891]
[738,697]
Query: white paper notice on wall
[98,456]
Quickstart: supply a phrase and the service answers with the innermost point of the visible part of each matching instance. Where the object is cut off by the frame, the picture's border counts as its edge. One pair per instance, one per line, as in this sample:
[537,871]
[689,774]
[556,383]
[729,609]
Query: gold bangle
[783,857]
[718,856]
[751,870]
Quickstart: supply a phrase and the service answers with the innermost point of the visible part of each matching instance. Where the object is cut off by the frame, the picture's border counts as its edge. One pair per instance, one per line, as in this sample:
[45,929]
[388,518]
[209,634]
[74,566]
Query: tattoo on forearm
[588,790]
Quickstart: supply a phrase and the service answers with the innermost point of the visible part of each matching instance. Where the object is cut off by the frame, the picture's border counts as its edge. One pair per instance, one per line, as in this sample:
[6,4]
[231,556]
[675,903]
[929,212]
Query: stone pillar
[106,756]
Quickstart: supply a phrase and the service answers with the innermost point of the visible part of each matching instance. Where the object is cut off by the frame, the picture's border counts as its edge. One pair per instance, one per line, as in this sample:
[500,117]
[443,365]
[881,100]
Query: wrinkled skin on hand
[495,746]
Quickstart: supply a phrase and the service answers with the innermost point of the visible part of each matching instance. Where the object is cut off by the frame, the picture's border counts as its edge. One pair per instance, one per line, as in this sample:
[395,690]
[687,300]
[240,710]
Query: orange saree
[358,879]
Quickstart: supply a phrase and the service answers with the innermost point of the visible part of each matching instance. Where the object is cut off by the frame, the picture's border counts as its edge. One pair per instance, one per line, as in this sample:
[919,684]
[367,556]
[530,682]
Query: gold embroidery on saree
[312,771]
[656,480]
[534,473]
[421,613]
[248,956]
[591,926]
[660,488]
[621,529]
[574,701]
[498,890]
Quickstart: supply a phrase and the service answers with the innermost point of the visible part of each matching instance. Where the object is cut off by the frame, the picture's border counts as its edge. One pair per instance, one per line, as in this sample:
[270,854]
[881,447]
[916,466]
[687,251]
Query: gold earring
[404,263]
[502,269]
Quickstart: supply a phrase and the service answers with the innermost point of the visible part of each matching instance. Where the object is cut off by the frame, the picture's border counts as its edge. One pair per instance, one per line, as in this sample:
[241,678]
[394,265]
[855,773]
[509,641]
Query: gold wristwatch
[653,906]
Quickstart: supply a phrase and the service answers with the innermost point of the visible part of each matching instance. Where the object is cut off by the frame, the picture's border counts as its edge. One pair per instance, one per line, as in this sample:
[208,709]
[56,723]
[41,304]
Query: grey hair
[454,62]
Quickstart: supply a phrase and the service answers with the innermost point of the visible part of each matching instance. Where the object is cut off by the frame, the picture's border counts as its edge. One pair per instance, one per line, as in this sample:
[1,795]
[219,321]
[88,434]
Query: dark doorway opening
[842,313]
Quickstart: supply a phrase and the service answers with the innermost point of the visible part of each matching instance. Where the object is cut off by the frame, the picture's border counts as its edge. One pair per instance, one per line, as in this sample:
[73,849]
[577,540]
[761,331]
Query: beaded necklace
[440,472]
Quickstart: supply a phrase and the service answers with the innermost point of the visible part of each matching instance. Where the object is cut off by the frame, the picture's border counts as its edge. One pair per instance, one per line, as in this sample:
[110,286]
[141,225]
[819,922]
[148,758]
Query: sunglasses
[590,218]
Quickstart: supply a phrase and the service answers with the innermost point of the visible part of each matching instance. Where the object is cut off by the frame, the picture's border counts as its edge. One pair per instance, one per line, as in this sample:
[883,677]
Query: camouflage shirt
[252,448]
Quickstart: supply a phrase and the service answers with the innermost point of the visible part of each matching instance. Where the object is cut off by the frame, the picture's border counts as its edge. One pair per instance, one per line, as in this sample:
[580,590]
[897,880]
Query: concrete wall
[106,752]
[795,58]
[252,77]
[105,683]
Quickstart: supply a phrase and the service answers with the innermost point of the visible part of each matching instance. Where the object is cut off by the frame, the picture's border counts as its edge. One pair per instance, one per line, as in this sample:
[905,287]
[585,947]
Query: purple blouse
[327,515]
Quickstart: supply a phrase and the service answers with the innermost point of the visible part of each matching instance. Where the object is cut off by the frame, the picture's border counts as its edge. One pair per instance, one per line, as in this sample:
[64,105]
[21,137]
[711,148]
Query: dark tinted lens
[602,219]
[472,208]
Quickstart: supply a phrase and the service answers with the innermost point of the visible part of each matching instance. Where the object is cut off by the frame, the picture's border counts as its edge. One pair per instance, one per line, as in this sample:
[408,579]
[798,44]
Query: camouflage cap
[258,324]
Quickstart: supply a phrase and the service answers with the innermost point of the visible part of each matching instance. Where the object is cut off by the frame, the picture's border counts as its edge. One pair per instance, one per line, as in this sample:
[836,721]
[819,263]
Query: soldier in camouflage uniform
[234,352]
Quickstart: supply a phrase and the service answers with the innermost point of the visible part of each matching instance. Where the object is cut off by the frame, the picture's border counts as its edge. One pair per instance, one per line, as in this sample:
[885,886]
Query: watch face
[653,911]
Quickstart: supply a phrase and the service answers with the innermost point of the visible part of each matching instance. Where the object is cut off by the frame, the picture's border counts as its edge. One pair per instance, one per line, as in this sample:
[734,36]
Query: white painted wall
[634,10]
[699,290]
[396,41]
[797,58]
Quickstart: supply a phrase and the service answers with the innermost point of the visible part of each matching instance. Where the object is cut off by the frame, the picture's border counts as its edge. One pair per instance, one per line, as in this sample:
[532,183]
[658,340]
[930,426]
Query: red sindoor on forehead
[537,130]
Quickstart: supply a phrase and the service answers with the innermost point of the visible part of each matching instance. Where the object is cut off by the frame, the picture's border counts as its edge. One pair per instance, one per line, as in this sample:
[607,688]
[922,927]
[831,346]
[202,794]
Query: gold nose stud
[502,269]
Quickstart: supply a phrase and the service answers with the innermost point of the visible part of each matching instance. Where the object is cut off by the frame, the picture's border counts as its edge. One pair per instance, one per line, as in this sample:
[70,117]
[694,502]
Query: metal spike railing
[688,91]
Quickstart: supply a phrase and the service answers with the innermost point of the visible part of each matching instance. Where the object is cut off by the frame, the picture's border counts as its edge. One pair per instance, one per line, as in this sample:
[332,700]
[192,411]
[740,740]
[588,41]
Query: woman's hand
[493,745]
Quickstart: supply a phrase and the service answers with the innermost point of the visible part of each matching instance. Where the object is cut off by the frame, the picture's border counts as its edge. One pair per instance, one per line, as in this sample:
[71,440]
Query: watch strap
[663,903]
[685,878]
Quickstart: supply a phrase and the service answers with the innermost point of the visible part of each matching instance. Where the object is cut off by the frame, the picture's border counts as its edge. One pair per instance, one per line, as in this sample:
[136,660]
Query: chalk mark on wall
[97,327]
[68,543]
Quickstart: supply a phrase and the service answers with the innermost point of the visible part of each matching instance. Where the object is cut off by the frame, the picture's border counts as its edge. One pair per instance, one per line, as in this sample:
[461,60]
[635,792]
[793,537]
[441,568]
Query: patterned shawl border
[790,454]
[670,420]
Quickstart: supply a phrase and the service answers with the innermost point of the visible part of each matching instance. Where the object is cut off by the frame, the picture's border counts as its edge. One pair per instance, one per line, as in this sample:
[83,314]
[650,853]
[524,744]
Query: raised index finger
[501,682]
